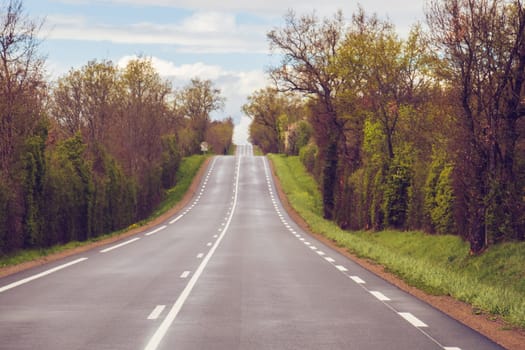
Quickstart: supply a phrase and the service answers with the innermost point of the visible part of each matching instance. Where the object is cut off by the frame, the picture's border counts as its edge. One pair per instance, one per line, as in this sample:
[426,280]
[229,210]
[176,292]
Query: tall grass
[438,264]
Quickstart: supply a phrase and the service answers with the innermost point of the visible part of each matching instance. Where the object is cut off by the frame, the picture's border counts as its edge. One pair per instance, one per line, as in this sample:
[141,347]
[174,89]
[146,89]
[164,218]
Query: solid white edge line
[156,312]
[379,295]
[119,245]
[156,230]
[413,320]
[40,275]
[175,309]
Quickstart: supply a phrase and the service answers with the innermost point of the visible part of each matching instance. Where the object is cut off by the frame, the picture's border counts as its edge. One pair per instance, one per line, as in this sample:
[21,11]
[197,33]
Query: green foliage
[439,195]
[170,160]
[493,282]
[500,216]
[299,136]
[70,192]
[186,173]
[4,216]
[34,172]
[309,156]
[396,190]
[189,166]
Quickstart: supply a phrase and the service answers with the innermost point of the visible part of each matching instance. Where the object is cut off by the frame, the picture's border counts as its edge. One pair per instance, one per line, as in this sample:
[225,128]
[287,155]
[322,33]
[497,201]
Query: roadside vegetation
[186,173]
[96,150]
[438,264]
[423,131]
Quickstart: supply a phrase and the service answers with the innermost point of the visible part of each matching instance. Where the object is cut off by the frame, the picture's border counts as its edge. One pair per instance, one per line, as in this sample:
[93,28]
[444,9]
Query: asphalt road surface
[230,271]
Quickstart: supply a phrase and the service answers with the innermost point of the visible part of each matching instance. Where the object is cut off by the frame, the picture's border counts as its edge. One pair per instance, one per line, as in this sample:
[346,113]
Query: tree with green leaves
[483,44]
[271,112]
[196,102]
[308,46]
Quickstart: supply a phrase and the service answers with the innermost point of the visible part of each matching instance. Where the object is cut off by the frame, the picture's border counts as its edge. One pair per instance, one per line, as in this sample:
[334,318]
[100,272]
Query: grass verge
[187,170]
[438,264]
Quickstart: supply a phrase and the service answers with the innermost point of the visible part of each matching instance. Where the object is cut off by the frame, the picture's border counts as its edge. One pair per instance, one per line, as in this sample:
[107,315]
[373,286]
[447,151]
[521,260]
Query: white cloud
[210,22]
[276,8]
[211,32]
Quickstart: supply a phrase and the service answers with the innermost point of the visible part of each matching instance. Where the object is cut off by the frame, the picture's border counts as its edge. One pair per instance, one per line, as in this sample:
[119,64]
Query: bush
[308,156]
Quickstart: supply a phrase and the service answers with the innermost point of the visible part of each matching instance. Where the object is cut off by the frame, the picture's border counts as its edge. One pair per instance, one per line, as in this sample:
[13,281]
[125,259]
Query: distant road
[230,271]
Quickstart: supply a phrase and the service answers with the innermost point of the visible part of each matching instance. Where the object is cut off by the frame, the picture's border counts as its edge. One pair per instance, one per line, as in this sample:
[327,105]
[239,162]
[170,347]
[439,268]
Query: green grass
[438,264]
[188,169]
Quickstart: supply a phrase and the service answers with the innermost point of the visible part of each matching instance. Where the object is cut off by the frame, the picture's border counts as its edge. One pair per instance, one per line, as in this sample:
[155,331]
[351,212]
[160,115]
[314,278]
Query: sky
[221,40]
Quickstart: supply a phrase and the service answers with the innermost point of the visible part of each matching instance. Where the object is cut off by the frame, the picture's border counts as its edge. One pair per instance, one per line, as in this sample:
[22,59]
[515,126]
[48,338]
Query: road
[230,271]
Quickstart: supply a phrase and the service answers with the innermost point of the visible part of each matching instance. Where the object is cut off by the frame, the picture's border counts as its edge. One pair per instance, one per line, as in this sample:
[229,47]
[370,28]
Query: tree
[196,101]
[483,43]
[88,100]
[144,115]
[271,112]
[309,46]
[219,135]
[22,90]
[384,72]
[21,81]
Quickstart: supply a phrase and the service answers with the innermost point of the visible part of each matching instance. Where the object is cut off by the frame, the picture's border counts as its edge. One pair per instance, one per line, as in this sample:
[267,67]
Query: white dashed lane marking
[120,245]
[156,230]
[185,274]
[156,312]
[413,320]
[40,275]
[379,295]
[357,279]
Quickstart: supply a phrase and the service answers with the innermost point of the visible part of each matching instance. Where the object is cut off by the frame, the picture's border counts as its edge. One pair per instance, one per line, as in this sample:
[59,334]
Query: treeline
[94,151]
[423,132]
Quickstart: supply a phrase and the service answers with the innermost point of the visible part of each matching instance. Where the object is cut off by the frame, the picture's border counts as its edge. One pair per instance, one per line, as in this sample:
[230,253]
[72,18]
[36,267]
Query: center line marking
[156,312]
[175,309]
[320,252]
[40,275]
[329,259]
[119,245]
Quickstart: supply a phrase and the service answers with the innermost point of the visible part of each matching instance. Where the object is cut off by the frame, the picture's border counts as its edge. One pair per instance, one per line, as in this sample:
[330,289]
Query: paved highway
[230,271]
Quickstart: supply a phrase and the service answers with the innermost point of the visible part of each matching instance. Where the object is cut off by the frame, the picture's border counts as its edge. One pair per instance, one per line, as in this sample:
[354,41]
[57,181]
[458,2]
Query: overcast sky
[221,40]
